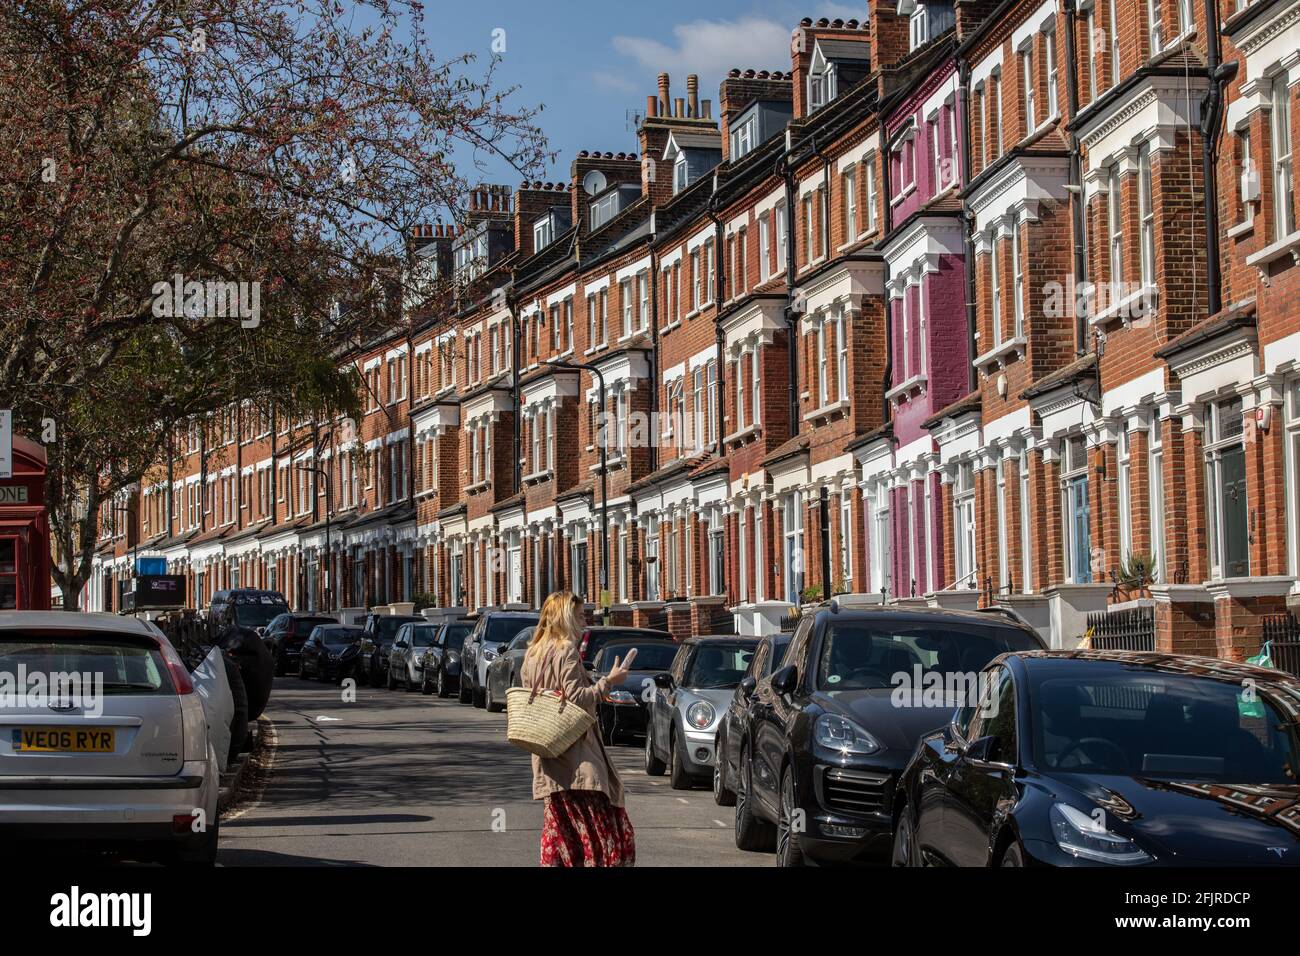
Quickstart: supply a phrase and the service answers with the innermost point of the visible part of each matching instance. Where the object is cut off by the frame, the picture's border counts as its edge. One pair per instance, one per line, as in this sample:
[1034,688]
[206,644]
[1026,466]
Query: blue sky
[590,63]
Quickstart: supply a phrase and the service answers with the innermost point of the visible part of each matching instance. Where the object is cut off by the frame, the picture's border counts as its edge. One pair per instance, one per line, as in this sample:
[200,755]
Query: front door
[9,564]
[1236,535]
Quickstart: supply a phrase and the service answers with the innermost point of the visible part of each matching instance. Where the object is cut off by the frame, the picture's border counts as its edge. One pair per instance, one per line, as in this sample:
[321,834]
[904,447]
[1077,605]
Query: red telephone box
[25,532]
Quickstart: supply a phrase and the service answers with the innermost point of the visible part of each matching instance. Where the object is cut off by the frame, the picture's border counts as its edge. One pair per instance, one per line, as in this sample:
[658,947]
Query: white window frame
[1281,146]
[1147,219]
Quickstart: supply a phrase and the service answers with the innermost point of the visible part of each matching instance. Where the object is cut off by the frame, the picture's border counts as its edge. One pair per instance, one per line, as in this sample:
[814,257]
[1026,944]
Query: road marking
[683,800]
[324,719]
[719,823]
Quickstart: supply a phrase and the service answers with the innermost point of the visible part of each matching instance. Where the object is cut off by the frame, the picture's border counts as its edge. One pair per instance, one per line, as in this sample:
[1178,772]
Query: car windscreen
[868,655]
[304,625]
[423,636]
[386,628]
[502,630]
[650,655]
[717,666]
[80,666]
[596,639]
[1110,719]
[335,637]
[257,614]
[453,636]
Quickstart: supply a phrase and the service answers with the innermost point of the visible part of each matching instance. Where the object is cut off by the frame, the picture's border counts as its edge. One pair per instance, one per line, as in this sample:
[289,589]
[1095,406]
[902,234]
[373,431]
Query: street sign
[6,443]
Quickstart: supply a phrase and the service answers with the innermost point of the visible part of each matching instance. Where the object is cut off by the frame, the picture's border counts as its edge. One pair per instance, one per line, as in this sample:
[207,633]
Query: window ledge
[479,486]
[998,355]
[905,389]
[611,462]
[538,477]
[827,411]
[1286,246]
[1137,306]
[1243,228]
[738,438]
[907,191]
[670,326]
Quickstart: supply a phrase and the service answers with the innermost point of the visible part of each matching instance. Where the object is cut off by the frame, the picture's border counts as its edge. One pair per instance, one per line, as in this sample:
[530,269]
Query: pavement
[400,779]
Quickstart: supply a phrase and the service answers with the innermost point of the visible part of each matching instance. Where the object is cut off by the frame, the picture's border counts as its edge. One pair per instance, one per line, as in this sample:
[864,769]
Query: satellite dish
[593,182]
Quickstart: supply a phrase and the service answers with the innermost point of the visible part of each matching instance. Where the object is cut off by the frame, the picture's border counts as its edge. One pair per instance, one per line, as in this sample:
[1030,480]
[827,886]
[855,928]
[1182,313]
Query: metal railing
[1282,635]
[1133,629]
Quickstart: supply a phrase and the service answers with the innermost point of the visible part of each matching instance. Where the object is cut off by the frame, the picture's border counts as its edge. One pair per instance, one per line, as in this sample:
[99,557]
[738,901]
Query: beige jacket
[585,765]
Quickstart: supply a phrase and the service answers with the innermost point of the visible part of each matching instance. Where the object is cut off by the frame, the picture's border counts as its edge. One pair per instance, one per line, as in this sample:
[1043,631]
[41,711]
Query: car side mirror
[747,687]
[952,740]
[664,680]
[786,680]
[502,648]
[590,665]
[981,750]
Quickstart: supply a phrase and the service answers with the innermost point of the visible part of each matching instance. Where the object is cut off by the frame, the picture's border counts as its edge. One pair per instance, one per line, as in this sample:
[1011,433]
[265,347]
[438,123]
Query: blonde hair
[558,622]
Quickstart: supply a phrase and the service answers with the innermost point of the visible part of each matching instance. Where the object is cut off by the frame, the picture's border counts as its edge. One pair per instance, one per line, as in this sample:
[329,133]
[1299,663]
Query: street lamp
[604,482]
[329,510]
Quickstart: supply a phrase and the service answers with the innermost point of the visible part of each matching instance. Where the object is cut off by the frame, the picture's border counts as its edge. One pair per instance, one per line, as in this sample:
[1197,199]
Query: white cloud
[608,80]
[712,47]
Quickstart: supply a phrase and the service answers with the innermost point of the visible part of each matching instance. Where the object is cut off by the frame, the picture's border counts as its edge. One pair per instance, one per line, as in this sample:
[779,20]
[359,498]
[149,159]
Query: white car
[124,761]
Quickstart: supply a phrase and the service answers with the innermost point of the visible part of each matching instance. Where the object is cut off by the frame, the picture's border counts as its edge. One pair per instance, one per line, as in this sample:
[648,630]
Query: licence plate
[77,740]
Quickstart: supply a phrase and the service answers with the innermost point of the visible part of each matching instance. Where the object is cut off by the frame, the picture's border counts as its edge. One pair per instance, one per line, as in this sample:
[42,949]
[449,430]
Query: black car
[833,727]
[285,635]
[503,672]
[734,726]
[594,638]
[441,662]
[376,641]
[329,652]
[250,608]
[491,630]
[1096,758]
[622,713]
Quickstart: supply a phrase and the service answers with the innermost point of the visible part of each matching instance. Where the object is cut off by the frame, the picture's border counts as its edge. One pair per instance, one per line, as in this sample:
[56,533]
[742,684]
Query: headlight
[843,736]
[620,697]
[700,714]
[489,654]
[1087,838]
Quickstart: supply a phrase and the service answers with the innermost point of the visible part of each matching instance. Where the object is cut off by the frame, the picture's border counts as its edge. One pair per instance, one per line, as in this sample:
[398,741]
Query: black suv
[286,634]
[832,728]
[245,607]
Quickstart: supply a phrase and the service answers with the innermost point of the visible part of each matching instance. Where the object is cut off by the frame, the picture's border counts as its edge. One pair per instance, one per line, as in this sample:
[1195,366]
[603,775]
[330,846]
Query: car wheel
[751,833]
[443,690]
[788,852]
[410,682]
[654,767]
[464,693]
[723,795]
[425,687]
[679,777]
[480,697]
[494,706]
[1012,856]
[392,681]
[904,853]
[203,855]
[281,668]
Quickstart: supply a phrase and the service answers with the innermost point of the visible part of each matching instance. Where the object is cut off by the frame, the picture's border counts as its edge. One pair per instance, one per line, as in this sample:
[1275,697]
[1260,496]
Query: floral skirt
[582,828]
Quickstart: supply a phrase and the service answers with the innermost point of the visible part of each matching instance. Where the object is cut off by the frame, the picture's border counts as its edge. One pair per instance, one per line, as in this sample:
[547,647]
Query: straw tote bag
[543,722]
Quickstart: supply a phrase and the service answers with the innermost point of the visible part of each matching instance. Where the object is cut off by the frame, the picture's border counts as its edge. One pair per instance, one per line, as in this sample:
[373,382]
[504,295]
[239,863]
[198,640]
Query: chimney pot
[665,103]
[693,95]
[651,106]
[707,109]
[679,107]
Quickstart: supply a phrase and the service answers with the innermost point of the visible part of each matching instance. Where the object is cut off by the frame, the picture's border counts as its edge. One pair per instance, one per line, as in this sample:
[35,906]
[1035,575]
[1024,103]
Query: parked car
[491,630]
[1096,758]
[833,727]
[622,713]
[687,703]
[252,608]
[406,659]
[379,632]
[734,725]
[441,662]
[503,673]
[285,635]
[594,638]
[131,778]
[329,653]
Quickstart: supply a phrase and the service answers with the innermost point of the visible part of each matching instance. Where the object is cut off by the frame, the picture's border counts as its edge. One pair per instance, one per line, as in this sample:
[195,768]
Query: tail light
[176,667]
[582,650]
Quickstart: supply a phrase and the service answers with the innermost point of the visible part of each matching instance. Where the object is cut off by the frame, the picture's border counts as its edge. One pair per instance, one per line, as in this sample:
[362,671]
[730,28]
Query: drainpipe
[719,284]
[886,190]
[1221,74]
[512,304]
[1076,183]
[963,101]
[791,320]
[654,351]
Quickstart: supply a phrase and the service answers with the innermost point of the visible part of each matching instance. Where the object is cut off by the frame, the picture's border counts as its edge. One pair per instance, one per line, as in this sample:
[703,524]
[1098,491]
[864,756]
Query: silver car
[689,701]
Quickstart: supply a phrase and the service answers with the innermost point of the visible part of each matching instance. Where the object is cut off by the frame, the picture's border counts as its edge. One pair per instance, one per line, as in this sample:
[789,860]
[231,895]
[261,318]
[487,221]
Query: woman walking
[584,823]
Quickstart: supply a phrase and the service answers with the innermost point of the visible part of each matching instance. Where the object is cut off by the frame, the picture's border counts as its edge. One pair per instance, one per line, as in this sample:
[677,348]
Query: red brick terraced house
[975,304]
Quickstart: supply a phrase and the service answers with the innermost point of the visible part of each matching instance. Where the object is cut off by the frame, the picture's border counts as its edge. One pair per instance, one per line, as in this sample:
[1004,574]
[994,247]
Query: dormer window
[681,175]
[543,234]
[743,138]
[821,81]
[918,27]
